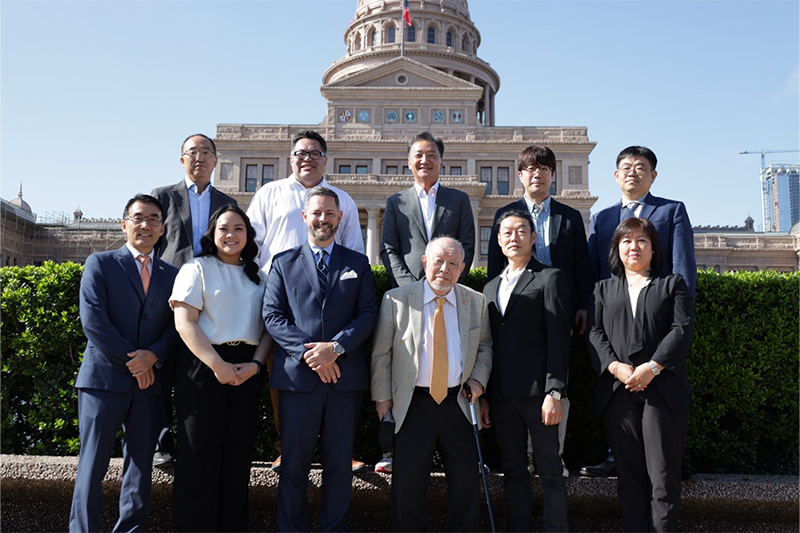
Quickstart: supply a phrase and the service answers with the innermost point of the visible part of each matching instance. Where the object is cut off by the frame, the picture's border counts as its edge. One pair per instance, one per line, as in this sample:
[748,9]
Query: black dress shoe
[604,469]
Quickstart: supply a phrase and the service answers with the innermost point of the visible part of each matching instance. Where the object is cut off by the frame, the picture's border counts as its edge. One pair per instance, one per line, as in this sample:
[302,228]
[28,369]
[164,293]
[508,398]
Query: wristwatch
[555,394]
[338,348]
[654,368]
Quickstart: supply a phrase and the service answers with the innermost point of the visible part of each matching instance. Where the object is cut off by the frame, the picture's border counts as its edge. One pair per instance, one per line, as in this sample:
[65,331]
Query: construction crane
[764,186]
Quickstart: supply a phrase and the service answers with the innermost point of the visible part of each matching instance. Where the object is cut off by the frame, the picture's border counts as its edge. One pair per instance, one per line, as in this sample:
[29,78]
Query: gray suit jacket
[404,237]
[175,246]
[395,353]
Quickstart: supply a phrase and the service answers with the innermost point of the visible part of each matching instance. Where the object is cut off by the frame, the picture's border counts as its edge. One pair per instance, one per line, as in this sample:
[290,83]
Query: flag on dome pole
[406,13]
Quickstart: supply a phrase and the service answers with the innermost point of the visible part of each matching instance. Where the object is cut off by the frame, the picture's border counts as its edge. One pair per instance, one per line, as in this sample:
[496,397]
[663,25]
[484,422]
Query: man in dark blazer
[188,205]
[125,314]
[635,175]
[320,307]
[528,313]
[427,210]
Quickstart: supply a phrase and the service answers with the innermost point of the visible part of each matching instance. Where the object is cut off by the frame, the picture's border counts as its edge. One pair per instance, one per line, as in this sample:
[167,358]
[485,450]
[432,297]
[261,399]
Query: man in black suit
[560,241]
[188,205]
[528,313]
[427,210]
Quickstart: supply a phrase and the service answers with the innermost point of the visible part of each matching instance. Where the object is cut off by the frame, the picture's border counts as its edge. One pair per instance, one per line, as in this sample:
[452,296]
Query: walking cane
[468,391]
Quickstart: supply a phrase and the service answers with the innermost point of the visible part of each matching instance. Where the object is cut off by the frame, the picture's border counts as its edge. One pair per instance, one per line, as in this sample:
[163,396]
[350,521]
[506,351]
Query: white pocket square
[350,274]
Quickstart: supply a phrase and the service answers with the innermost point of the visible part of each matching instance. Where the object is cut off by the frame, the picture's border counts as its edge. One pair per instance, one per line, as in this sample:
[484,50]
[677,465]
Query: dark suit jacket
[661,331]
[175,246]
[675,237]
[295,314]
[118,319]
[531,342]
[404,237]
[568,251]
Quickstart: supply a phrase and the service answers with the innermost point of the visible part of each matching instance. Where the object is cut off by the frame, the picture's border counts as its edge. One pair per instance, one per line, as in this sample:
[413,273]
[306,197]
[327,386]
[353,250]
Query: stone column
[372,235]
[476,257]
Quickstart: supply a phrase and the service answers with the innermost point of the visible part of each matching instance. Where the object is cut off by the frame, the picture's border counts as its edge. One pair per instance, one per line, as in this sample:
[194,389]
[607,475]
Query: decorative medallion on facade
[438,116]
[457,117]
[410,116]
[363,115]
[391,116]
[401,79]
[345,116]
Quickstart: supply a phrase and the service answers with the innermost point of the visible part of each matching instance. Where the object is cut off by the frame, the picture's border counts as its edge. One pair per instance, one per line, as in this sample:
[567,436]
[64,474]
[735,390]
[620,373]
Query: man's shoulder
[164,191]
[455,193]
[344,197]
[223,197]
[462,291]
[351,256]
[565,209]
[287,256]
[519,203]
[665,202]
[404,292]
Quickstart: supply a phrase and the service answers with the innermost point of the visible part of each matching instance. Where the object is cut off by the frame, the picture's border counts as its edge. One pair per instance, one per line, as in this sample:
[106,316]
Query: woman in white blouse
[217,303]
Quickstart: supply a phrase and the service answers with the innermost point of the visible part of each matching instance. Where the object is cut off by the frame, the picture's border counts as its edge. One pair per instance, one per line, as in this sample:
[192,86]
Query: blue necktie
[322,272]
[628,210]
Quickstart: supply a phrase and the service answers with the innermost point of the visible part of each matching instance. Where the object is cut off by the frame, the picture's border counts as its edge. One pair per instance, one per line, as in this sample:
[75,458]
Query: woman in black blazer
[641,330]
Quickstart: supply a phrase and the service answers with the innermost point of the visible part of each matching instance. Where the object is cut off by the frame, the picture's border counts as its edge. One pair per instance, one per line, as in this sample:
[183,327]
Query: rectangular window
[391,169]
[406,170]
[486,234]
[345,169]
[251,178]
[455,171]
[502,180]
[267,174]
[361,169]
[486,177]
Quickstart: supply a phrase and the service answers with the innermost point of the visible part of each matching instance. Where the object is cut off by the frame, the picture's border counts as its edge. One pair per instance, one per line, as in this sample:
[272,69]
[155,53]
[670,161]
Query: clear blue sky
[96,96]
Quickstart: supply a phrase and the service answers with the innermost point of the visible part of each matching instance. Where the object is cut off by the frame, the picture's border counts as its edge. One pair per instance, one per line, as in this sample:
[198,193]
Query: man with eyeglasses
[560,243]
[276,213]
[124,375]
[188,204]
[635,175]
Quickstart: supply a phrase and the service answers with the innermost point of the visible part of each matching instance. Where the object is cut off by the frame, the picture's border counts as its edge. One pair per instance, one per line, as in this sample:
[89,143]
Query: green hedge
[743,367]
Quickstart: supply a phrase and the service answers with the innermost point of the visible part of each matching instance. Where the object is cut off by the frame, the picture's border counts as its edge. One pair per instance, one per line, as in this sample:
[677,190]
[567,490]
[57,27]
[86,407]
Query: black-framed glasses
[313,154]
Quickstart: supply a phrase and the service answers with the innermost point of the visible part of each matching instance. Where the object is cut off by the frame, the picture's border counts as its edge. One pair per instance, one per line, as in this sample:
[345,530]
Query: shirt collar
[136,253]
[641,200]
[545,204]
[434,190]
[428,295]
[323,182]
[316,249]
[192,186]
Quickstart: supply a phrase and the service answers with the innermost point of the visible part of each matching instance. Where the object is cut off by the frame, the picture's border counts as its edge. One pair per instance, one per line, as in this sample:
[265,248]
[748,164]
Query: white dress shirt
[508,280]
[427,203]
[276,215]
[455,366]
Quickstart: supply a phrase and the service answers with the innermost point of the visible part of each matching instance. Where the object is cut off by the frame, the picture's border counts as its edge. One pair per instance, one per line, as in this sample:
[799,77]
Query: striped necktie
[322,272]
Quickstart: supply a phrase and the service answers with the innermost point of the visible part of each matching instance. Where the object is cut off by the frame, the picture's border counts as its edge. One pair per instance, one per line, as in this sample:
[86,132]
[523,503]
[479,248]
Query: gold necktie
[144,272]
[439,370]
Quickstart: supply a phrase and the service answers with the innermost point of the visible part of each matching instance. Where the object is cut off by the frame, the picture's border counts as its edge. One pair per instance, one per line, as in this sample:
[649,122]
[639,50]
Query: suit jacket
[568,251]
[118,319]
[295,313]
[398,341]
[661,331]
[531,342]
[675,237]
[404,237]
[175,246]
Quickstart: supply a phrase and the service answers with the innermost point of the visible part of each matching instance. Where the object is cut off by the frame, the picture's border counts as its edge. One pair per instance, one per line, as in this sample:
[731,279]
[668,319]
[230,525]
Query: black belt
[427,390]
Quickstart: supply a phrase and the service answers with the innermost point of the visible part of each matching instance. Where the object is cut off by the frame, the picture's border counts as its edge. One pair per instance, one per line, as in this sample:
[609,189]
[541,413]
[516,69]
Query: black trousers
[216,436]
[648,441]
[512,419]
[429,426]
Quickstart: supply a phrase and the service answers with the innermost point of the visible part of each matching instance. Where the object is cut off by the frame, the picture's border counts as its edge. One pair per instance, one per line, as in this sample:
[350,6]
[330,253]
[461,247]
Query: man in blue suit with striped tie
[125,314]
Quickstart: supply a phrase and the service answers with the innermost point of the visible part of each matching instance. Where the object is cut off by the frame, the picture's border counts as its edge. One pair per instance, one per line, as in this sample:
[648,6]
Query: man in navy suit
[416,216]
[125,313]
[188,204]
[635,174]
[320,307]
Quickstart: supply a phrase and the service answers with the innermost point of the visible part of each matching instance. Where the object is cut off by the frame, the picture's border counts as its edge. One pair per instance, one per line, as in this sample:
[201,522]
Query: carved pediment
[402,73]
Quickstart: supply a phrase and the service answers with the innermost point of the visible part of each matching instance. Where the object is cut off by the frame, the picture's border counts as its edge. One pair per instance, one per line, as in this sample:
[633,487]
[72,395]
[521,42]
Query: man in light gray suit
[188,205]
[427,210]
[432,338]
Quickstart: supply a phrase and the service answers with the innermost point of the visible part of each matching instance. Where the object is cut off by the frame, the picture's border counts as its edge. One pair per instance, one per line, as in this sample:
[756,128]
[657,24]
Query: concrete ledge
[36,493]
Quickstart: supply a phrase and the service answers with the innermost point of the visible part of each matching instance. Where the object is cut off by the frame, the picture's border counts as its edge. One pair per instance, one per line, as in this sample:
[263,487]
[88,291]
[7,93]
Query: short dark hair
[145,199]
[250,250]
[427,136]
[314,136]
[514,213]
[639,151]
[625,228]
[319,190]
[206,137]
[537,155]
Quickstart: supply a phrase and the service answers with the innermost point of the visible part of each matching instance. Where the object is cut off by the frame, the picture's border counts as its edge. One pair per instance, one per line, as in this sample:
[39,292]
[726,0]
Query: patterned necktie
[322,272]
[144,272]
[629,210]
[439,370]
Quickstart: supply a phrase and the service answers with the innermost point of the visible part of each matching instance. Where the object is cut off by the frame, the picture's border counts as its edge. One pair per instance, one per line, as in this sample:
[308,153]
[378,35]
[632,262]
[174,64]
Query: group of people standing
[208,299]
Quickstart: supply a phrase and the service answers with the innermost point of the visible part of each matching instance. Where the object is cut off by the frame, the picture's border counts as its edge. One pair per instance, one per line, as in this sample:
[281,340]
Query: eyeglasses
[151,221]
[193,153]
[638,169]
[313,154]
[533,170]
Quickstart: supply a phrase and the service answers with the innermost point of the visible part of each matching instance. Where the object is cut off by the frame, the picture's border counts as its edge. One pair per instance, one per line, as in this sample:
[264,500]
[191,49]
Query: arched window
[390,37]
[372,38]
[411,34]
[431,35]
[464,43]
[449,38]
